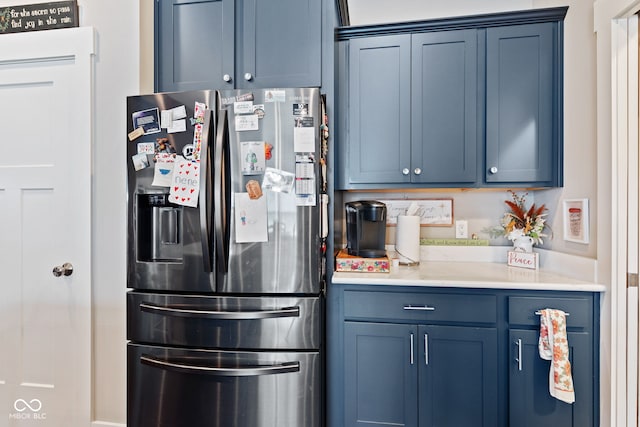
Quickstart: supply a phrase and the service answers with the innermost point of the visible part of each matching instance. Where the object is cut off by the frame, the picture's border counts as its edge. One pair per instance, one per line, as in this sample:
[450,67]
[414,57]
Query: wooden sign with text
[38,17]
[522,259]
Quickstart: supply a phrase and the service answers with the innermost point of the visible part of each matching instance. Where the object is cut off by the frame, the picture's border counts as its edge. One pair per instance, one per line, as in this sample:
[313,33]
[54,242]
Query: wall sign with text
[38,17]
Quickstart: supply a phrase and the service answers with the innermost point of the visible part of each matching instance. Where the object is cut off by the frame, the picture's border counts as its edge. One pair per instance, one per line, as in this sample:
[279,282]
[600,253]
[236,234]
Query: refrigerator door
[169,245]
[286,322]
[273,240]
[208,388]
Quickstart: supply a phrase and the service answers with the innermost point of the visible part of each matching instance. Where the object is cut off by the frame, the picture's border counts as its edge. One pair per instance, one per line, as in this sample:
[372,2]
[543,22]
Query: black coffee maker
[366,228]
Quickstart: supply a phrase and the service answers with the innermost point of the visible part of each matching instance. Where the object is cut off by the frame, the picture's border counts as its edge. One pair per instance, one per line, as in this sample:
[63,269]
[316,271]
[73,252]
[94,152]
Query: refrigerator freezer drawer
[198,388]
[224,322]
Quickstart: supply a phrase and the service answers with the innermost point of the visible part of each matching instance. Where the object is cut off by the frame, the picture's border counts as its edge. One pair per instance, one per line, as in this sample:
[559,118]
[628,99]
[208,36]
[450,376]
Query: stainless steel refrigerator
[225,259]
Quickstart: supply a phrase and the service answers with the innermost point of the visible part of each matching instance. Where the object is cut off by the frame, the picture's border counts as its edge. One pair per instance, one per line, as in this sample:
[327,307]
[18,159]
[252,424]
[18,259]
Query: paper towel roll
[408,239]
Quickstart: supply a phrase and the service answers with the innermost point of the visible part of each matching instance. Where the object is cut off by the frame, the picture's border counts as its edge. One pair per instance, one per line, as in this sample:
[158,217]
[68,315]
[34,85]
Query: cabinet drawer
[420,307]
[522,310]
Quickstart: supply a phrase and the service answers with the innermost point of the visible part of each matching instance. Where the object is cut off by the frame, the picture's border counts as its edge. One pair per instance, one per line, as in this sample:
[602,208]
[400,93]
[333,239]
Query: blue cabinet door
[279,44]
[194,44]
[523,124]
[444,107]
[380,374]
[379,135]
[458,376]
[530,404]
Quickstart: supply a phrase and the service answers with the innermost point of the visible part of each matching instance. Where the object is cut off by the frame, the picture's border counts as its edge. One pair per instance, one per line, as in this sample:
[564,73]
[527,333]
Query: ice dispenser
[366,228]
[158,228]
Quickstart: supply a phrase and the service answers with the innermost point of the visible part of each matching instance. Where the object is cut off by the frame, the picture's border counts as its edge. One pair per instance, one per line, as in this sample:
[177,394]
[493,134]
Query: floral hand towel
[553,346]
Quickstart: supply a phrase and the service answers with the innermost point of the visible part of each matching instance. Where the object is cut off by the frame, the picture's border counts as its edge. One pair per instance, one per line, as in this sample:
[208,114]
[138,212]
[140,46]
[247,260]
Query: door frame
[624,225]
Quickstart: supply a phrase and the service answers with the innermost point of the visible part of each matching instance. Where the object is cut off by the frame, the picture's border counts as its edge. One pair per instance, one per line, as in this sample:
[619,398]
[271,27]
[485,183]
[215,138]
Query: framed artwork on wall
[575,214]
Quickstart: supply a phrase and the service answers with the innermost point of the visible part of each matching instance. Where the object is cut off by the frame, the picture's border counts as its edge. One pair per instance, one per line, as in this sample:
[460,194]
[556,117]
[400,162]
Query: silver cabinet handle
[220,315]
[222,372]
[405,171]
[226,78]
[493,170]
[411,349]
[248,77]
[519,358]
[65,269]
[426,349]
[418,308]
[417,171]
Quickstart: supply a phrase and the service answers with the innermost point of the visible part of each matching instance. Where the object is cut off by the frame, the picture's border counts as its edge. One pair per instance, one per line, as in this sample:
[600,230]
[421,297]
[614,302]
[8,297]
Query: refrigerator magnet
[250,219]
[252,154]
[243,107]
[146,147]
[278,180]
[258,110]
[140,161]
[148,120]
[253,189]
[198,112]
[300,109]
[274,96]
[246,123]
[162,173]
[135,134]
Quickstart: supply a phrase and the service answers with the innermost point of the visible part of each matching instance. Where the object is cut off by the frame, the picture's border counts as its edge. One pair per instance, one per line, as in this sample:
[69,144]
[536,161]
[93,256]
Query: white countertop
[469,275]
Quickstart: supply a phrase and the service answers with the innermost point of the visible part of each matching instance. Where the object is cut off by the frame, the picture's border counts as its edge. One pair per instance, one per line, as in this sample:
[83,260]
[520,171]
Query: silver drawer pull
[216,314]
[253,371]
[539,313]
[419,307]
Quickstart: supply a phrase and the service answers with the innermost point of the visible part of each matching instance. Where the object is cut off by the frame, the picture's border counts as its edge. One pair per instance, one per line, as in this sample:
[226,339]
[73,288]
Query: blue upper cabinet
[194,44]
[379,147]
[476,102]
[280,43]
[524,105]
[443,107]
[227,44]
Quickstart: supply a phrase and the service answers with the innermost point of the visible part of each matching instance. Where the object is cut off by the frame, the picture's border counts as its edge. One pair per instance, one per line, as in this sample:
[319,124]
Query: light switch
[462,229]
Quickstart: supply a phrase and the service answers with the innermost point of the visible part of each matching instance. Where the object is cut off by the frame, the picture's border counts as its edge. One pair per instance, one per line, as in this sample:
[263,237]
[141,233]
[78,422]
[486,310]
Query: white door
[45,221]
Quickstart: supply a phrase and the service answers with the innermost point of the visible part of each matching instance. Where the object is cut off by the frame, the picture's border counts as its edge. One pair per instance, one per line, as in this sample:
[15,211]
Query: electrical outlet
[462,229]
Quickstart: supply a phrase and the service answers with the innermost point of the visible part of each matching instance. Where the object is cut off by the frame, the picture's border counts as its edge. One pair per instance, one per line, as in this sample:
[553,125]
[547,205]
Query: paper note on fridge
[246,122]
[250,219]
[185,183]
[304,135]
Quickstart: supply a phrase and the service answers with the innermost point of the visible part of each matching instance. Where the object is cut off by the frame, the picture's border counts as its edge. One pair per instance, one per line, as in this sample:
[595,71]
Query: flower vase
[523,244]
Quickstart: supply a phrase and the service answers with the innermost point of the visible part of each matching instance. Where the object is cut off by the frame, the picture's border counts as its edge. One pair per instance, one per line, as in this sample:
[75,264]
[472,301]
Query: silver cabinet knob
[248,77]
[493,169]
[417,171]
[65,269]
[226,78]
[405,171]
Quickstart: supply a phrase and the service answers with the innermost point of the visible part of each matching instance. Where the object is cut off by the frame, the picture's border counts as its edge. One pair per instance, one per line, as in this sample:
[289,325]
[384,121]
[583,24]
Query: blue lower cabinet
[455,357]
[530,402]
[417,375]
[458,383]
[381,382]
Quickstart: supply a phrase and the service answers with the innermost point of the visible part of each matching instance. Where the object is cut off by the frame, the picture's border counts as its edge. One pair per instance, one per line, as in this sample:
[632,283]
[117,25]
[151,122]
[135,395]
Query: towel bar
[537,313]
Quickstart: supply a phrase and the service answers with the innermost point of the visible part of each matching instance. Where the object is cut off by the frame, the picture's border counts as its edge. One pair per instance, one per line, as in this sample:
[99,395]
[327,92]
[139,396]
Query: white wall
[363,12]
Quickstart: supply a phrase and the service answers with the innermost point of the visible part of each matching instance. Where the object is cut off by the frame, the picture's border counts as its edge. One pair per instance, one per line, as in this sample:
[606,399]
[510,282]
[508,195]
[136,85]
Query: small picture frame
[432,212]
[575,214]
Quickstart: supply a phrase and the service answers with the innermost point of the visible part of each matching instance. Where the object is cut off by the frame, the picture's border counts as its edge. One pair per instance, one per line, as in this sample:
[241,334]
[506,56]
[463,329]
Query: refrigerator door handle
[220,182]
[205,197]
[253,371]
[220,314]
